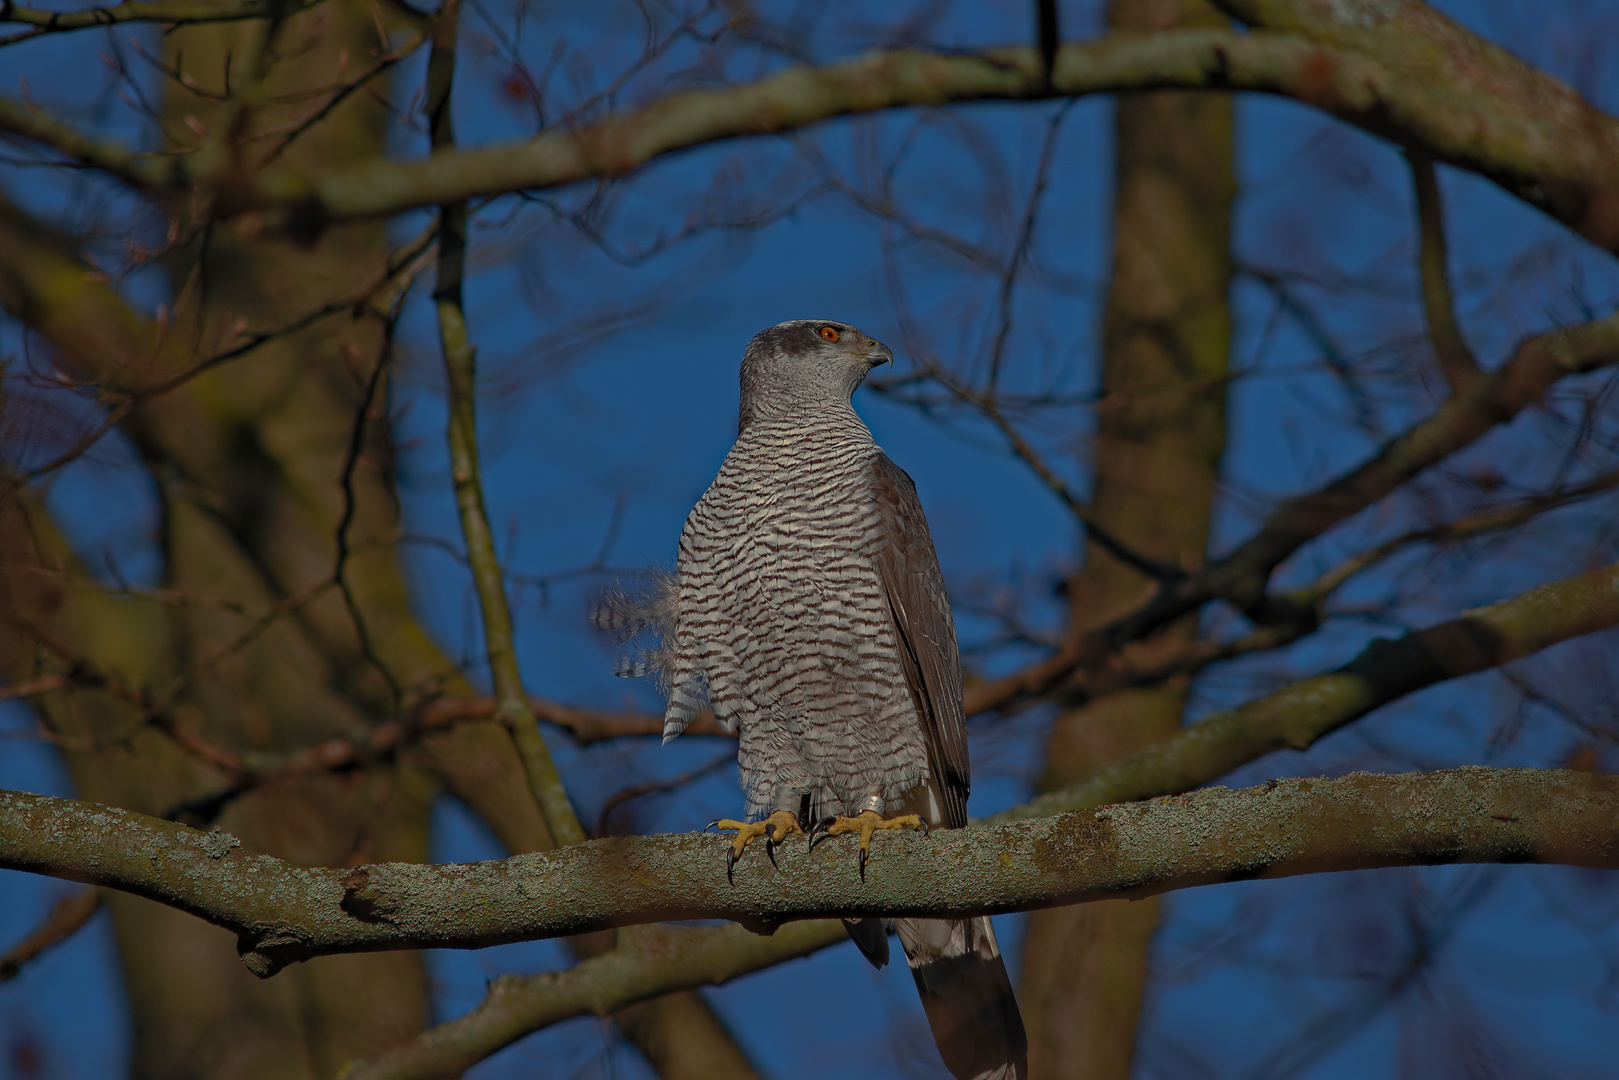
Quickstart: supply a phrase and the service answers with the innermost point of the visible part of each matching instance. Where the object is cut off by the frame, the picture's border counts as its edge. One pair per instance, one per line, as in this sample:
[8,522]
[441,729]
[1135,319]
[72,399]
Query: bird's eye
[830,333]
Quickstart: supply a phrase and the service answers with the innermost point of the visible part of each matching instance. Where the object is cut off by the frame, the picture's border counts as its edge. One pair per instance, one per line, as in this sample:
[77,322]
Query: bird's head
[800,365]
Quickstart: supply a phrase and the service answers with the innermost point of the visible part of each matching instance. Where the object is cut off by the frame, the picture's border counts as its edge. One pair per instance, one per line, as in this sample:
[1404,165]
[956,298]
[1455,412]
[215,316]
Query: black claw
[711,824]
[730,864]
[863,854]
[819,827]
[770,850]
[926,829]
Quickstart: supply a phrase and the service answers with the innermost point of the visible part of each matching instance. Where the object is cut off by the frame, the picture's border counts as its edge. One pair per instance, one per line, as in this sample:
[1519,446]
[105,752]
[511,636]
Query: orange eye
[830,333]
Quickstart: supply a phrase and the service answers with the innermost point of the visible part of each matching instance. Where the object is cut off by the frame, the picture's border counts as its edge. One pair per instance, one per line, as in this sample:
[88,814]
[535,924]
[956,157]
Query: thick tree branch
[163,11]
[1469,101]
[284,913]
[1522,128]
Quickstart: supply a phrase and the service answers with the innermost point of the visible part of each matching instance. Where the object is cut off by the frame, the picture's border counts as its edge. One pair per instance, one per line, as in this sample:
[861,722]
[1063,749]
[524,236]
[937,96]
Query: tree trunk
[1161,433]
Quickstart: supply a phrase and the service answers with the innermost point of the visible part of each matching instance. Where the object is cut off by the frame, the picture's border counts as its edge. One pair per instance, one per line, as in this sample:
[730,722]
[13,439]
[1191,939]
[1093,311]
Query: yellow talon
[775,828]
[868,822]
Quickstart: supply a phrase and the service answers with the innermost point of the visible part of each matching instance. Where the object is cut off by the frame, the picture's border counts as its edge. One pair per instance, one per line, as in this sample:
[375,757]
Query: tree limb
[1297,715]
[272,901]
[1531,133]
[658,959]
[164,11]
[1534,135]
[1196,756]
[1536,364]
[1469,101]
[284,913]
[1416,79]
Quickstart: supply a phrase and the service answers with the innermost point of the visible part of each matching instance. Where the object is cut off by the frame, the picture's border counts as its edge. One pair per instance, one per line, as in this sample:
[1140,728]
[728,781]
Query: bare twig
[66,918]
[985,403]
[1025,240]
[1456,359]
[351,460]
[1241,577]
[656,787]
[512,704]
[1296,716]
[1485,521]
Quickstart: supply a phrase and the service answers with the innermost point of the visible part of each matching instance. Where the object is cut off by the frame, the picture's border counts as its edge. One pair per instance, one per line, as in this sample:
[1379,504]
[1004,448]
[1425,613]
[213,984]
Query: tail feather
[967,996]
[870,936]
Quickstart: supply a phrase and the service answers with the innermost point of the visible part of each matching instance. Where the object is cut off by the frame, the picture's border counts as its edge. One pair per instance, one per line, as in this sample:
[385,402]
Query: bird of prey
[808,610]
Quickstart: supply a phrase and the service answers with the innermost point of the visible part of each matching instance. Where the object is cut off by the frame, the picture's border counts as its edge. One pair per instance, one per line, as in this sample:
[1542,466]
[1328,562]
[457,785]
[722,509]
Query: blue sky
[1296,978]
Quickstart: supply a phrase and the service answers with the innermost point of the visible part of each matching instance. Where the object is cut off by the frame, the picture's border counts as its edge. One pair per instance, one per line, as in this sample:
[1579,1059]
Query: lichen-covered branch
[285,913]
[1279,829]
[1403,72]
[1533,134]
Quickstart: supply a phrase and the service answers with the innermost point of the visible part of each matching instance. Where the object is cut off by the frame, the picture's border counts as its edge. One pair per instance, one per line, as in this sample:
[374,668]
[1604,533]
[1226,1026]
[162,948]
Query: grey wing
[925,631]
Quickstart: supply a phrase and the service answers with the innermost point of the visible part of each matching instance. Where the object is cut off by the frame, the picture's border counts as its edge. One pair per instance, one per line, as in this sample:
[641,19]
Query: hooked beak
[878,355]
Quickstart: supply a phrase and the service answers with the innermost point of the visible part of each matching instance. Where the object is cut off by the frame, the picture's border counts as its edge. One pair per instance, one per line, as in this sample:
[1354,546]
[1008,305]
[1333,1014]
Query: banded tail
[964,989]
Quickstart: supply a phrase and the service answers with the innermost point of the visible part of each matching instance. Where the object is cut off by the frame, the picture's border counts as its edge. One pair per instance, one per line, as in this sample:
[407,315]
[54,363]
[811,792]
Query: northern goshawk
[808,610]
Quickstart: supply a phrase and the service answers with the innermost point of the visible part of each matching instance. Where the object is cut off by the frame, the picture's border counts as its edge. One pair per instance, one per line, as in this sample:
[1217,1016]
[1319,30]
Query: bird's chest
[788,531]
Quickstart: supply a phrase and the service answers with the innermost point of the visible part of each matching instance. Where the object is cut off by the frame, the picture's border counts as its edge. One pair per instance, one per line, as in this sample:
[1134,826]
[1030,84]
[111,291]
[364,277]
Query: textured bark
[286,913]
[1161,432]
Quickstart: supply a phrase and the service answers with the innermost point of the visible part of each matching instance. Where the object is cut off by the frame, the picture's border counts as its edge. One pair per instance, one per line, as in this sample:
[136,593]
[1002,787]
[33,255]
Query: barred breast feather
[782,614]
[808,609]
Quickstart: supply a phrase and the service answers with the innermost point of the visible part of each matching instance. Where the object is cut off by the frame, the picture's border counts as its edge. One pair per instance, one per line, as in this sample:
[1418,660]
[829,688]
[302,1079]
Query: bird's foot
[864,824]
[775,828]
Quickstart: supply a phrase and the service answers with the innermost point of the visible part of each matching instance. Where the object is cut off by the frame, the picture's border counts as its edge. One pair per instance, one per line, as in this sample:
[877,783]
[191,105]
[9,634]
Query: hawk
[808,610]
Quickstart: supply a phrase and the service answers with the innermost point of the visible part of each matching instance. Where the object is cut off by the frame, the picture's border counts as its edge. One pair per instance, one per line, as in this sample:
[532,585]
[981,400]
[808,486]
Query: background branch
[511,704]
[1456,359]
[1560,158]
[1296,716]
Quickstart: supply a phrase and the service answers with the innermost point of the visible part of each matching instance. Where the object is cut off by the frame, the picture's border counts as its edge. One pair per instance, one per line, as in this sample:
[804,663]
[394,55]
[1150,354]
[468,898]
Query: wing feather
[925,631]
